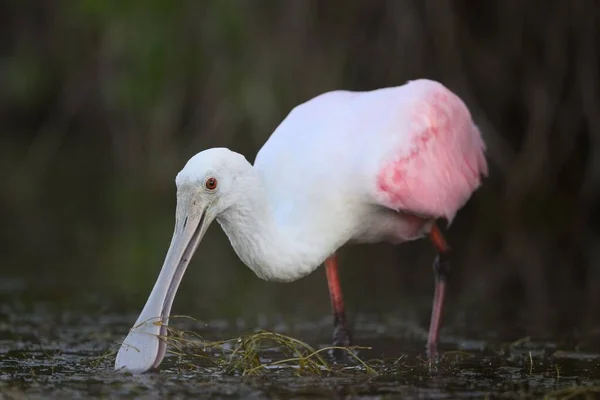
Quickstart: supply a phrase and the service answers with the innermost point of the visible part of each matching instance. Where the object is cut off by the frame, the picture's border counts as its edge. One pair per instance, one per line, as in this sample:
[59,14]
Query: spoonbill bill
[343,167]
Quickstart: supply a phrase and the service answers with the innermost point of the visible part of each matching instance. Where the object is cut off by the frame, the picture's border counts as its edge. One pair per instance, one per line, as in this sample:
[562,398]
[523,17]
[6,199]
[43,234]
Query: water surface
[50,344]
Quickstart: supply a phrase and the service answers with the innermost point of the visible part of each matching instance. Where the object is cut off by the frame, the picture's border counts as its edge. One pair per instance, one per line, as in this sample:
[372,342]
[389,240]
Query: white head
[207,182]
[206,188]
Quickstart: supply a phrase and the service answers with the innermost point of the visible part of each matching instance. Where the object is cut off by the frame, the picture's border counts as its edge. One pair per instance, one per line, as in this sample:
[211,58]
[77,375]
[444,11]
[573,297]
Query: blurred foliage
[102,102]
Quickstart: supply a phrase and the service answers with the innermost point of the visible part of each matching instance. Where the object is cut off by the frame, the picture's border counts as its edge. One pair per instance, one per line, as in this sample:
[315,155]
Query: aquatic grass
[258,352]
[249,355]
[266,351]
[104,358]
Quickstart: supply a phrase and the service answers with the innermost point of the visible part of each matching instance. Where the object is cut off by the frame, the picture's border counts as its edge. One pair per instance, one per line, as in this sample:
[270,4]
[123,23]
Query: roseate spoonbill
[343,167]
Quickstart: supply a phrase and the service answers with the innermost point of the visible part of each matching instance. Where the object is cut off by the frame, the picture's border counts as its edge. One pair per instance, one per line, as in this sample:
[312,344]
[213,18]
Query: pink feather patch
[445,160]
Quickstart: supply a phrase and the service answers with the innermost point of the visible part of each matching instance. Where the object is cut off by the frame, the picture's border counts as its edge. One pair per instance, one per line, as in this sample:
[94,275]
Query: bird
[384,165]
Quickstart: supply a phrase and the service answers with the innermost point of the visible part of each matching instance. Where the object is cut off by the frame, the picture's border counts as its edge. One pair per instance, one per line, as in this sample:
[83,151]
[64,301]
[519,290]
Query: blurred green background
[103,102]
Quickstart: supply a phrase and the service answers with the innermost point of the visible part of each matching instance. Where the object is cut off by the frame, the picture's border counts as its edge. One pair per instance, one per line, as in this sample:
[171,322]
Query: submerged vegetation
[259,352]
[254,353]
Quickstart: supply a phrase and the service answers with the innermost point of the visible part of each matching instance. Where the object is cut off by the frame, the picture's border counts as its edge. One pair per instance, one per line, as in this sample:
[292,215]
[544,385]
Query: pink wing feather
[445,160]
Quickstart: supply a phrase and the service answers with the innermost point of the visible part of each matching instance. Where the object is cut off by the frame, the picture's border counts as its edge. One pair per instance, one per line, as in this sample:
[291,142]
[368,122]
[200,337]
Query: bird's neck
[274,251]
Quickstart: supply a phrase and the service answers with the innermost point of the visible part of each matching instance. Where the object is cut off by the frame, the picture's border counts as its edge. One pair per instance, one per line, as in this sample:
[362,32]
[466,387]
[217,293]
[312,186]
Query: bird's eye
[211,183]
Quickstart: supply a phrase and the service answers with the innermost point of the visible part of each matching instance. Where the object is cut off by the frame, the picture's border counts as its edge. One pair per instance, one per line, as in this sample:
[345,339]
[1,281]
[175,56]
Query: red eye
[211,183]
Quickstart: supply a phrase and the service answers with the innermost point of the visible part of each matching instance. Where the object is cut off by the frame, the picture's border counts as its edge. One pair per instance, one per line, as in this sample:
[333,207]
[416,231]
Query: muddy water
[49,348]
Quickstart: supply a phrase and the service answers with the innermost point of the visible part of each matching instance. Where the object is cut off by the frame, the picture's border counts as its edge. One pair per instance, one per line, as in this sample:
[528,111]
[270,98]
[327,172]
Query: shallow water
[50,349]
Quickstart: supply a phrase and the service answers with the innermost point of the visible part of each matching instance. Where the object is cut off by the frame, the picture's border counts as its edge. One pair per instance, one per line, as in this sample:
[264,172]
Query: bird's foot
[341,338]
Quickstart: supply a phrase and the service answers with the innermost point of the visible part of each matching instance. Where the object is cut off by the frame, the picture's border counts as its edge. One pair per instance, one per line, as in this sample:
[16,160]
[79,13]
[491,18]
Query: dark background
[103,102]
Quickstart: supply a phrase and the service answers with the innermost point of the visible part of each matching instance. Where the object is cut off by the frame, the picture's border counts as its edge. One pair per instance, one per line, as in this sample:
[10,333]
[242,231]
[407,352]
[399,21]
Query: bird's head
[207,183]
[206,187]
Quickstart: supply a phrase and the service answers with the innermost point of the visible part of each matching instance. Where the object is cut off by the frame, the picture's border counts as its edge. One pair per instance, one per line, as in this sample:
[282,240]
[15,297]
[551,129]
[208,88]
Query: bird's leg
[441,267]
[341,334]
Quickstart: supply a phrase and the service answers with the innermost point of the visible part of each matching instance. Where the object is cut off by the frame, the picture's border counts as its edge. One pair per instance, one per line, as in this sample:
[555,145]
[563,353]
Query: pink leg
[341,334]
[440,268]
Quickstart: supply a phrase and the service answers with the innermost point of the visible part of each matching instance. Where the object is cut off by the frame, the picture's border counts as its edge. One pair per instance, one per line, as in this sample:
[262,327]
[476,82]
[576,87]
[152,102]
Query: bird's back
[412,148]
